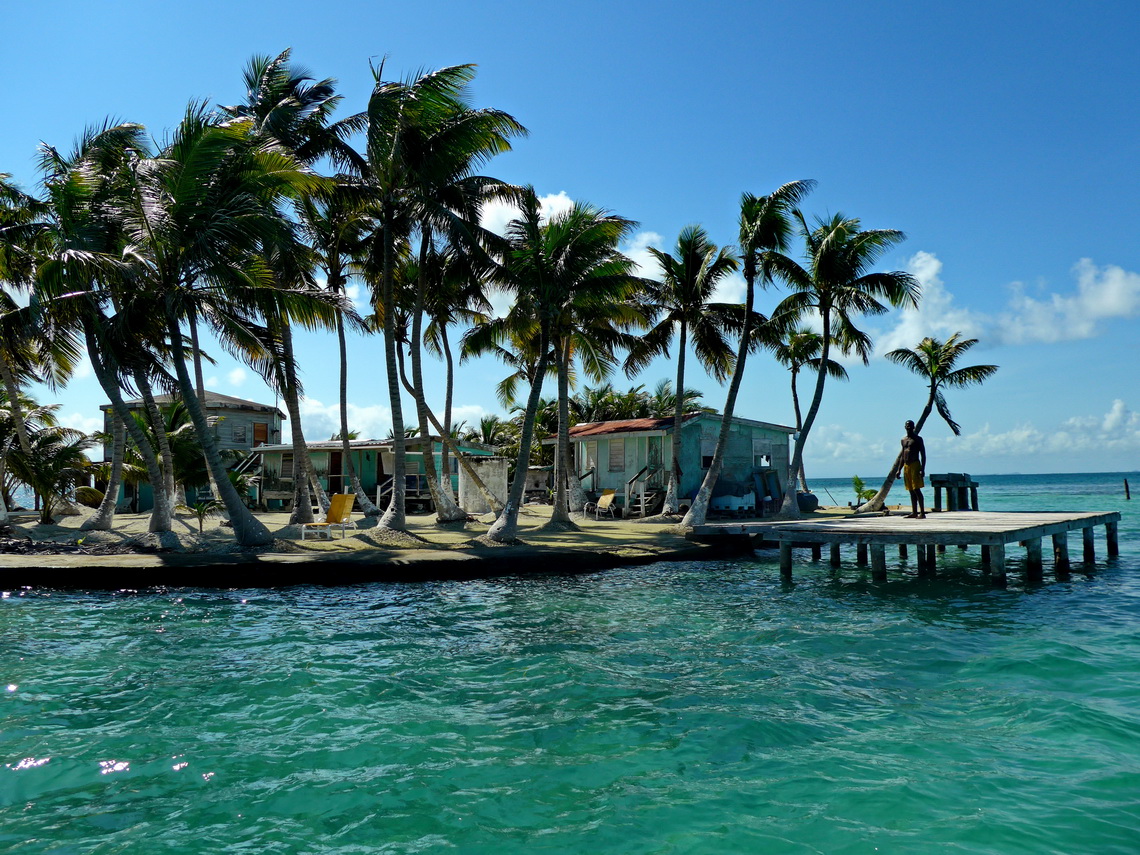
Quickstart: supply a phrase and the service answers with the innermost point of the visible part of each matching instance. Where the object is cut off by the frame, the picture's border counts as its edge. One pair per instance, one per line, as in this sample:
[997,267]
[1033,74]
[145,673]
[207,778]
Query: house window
[260,433]
[240,434]
[761,454]
[708,449]
[617,455]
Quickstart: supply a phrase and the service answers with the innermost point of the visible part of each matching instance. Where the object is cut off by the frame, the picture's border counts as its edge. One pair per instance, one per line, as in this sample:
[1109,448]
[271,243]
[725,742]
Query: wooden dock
[992,531]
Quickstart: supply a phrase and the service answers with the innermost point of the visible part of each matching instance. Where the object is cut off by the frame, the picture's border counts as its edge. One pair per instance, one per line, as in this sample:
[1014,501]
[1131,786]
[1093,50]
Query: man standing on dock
[913,470]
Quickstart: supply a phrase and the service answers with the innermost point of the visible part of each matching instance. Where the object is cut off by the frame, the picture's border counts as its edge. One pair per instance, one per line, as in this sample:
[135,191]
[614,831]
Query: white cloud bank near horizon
[1101,294]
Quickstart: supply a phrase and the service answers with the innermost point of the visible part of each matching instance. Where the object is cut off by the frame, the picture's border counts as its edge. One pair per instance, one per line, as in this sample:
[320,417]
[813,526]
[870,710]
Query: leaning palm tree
[547,264]
[423,143]
[934,361]
[837,285]
[198,215]
[684,300]
[765,233]
[796,349]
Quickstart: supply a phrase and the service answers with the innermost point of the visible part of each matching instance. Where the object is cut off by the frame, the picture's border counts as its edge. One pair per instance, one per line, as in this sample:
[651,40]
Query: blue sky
[1002,138]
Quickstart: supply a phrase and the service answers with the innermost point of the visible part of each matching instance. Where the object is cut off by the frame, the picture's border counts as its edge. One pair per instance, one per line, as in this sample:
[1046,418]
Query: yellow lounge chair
[604,505]
[340,513]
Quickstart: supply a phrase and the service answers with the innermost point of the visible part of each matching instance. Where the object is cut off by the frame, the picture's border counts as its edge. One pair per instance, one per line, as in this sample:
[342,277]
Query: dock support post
[997,563]
[786,560]
[816,551]
[925,561]
[878,562]
[1110,536]
[942,547]
[930,562]
[902,551]
[985,555]
[1033,569]
[861,554]
[835,555]
[1089,545]
[1061,553]
[974,498]
[937,499]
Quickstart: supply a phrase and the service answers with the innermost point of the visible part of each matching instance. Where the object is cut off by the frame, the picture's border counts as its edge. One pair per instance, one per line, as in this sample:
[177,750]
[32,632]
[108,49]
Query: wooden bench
[956,485]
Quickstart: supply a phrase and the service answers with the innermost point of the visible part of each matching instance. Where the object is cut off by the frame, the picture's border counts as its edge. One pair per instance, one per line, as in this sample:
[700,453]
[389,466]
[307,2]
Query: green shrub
[88,496]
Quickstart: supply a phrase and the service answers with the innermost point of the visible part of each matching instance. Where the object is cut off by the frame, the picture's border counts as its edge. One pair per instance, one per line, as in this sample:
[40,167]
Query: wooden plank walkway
[992,531]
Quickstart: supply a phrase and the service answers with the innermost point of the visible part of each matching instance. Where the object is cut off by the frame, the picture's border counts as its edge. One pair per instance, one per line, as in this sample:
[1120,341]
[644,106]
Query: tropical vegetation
[251,221]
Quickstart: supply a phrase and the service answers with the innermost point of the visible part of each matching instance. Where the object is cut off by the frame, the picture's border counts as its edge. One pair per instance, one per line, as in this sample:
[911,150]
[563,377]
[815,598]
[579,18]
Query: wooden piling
[1089,545]
[1112,544]
[835,555]
[816,551]
[878,562]
[1061,553]
[997,563]
[1033,565]
[861,554]
[786,560]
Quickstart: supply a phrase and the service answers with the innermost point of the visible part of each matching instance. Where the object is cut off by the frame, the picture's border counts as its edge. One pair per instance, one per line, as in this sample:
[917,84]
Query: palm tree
[547,265]
[765,232]
[689,278]
[796,349]
[288,106]
[934,361]
[838,285]
[55,466]
[198,215]
[423,143]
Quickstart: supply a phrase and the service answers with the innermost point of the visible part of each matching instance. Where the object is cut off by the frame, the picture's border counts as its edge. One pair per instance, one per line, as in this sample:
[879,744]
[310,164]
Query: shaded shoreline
[130,558]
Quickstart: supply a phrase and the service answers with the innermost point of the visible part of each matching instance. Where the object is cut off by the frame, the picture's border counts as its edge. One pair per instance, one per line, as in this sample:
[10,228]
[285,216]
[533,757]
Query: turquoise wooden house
[634,456]
[372,460]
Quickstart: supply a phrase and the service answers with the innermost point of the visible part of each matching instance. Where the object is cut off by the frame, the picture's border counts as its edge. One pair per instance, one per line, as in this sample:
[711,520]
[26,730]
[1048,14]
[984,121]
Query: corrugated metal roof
[624,426]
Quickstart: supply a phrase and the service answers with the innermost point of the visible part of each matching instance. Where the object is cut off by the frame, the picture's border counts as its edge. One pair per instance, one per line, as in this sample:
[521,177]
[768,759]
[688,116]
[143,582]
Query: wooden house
[634,457]
[371,458]
[238,425]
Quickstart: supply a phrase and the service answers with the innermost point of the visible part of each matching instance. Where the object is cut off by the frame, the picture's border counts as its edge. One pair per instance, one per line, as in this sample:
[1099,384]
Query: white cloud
[211,382]
[80,421]
[1102,293]
[835,442]
[237,376]
[936,314]
[321,420]
[497,214]
[1117,431]
[730,289]
[638,252]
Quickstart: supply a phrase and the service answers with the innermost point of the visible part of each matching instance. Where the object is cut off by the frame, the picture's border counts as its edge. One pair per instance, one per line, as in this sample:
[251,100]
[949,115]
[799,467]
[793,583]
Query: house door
[336,472]
[653,462]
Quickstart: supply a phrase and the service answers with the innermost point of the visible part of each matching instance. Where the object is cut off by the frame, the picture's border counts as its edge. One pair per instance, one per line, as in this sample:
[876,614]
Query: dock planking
[992,531]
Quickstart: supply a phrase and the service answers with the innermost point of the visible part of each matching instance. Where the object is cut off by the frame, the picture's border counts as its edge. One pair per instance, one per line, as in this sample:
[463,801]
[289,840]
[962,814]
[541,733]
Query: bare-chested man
[913,471]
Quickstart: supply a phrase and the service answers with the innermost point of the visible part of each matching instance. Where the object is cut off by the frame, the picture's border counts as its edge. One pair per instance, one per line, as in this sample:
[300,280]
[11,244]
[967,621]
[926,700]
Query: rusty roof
[624,426]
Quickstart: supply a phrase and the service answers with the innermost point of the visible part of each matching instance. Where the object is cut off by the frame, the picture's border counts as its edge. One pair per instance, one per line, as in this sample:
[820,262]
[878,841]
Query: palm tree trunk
[158,425]
[287,373]
[698,511]
[248,530]
[200,388]
[161,515]
[464,463]
[445,508]
[505,528]
[880,498]
[13,390]
[790,508]
[366,504]
[394,517]
[104,517]
[799,424]
[673,491]
[449,395]
[560,515]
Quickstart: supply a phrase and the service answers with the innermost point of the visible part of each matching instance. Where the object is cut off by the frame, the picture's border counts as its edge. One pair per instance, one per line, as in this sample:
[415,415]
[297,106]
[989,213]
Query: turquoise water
[673,708]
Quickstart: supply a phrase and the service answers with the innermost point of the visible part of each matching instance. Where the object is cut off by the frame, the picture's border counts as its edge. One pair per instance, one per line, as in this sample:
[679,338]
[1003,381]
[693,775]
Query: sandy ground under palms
[63,554]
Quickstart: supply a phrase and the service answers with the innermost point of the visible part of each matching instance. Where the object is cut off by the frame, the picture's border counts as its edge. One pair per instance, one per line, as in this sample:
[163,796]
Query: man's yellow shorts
[912,476]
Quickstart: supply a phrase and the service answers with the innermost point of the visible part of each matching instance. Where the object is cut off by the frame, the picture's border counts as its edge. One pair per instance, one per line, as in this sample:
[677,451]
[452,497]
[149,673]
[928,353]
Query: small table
[955,484]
